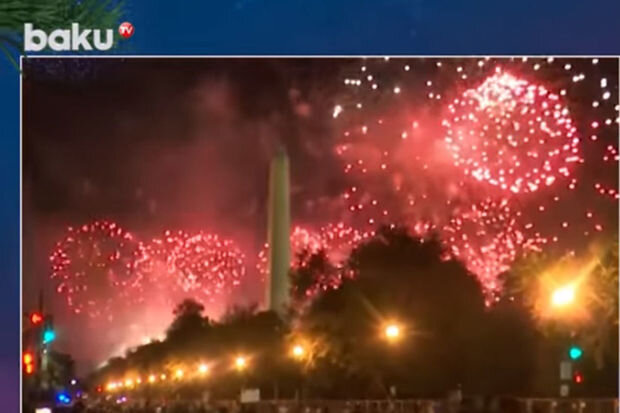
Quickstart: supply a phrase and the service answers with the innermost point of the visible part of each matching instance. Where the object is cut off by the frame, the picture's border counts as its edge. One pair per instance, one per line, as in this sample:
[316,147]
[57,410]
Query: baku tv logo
[74,39]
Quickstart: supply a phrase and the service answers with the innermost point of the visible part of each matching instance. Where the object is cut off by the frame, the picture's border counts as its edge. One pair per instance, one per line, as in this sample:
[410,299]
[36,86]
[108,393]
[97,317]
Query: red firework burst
[201,264]
[336,241]
[488,237]
[304,243]
[505,138]
[512,134]
[93,266]
[340,240]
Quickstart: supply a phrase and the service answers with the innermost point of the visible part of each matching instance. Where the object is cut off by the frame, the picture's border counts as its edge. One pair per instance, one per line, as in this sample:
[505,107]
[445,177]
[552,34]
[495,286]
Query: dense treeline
[449,337]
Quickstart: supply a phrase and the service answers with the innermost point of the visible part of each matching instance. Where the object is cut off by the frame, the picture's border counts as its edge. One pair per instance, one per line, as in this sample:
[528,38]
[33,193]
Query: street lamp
[301,355]
[240,363]
[203,369]
[298,351]
[563,296]
[392,332]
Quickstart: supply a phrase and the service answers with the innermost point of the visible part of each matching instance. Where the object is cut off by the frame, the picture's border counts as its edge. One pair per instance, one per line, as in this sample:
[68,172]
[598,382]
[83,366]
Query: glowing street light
[179,373]
[203,369]
[563,296]
[298,351]
[240,363]
[152,378]
[392,332]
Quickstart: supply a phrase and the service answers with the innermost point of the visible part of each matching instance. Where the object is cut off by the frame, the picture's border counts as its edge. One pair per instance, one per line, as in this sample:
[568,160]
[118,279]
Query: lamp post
[563,305]
[299,353]
[392,334]
[241,365]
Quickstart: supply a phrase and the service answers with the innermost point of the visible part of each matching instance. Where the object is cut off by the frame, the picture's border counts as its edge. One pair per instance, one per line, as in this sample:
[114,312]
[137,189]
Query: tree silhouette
[188,320]
[449,336]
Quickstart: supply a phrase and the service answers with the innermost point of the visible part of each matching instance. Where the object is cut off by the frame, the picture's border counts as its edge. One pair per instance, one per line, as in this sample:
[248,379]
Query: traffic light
[36,318]
[578,377]
[575,352]
[28,360]
[49,335]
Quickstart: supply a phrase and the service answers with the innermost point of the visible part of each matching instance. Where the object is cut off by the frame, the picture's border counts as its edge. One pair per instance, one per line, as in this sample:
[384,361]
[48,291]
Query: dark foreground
[465,405]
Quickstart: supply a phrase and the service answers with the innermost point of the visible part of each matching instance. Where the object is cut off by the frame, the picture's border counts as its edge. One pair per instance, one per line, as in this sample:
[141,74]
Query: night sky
[134,141]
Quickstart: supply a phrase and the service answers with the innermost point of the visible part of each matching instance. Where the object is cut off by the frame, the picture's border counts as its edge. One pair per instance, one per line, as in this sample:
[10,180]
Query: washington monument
[279,221]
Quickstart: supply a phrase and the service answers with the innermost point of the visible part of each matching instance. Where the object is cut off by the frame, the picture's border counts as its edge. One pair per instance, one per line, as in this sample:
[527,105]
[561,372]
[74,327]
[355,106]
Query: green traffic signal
[575,353]
[48,336]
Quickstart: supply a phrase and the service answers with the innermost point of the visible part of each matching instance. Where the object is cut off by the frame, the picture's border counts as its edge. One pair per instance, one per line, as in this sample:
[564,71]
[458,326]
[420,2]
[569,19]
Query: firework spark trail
[304,243]
[339,241]
[458,146]
[202,264]
[512,134]
[104,271]
[336,240]
[93,267]
[488,237]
